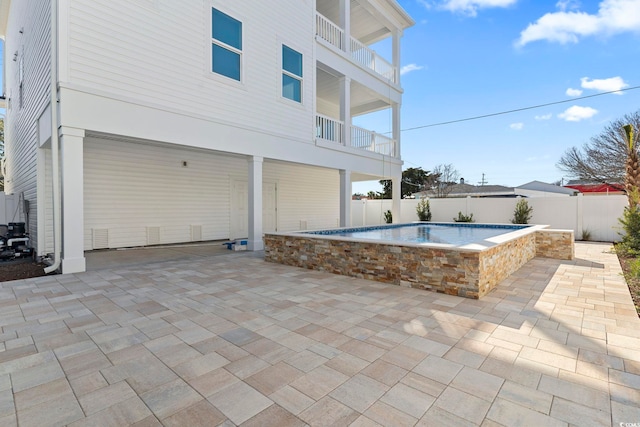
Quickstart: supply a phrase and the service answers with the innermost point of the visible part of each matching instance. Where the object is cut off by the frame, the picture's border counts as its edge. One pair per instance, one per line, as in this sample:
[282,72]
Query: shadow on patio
[232,339]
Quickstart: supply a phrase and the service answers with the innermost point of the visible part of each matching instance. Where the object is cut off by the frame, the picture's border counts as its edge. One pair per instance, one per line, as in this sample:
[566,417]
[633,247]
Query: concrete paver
[198,339]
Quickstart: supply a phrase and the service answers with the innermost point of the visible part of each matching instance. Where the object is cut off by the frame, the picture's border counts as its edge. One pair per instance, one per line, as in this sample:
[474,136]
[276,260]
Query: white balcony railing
[370,59]
[329,129]
[360,53]
[371,141]
[329,32]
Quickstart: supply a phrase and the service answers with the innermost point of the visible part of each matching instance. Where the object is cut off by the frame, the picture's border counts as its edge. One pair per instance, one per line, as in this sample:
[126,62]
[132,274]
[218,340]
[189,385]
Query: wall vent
[153,235]
[303,224]
[99,238]
[196,233]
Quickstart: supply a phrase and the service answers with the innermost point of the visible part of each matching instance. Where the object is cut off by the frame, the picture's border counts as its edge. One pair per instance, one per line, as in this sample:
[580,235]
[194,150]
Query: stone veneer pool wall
[469,273]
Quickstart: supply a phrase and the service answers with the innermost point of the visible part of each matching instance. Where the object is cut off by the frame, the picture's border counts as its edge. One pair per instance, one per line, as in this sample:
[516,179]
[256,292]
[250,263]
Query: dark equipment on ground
[14,242]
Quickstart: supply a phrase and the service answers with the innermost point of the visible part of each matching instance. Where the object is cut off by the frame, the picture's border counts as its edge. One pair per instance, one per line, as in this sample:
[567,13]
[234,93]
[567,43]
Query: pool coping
[470,247]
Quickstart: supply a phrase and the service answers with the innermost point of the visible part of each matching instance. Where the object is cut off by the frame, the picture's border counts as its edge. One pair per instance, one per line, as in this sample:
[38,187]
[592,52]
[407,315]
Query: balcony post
[345,24]
[396,55]
[345,110]
[395,108]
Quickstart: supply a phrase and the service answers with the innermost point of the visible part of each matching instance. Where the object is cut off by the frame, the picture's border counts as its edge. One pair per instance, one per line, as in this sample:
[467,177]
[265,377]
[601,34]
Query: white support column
[396,195]
[395,109]
[345,198]
[345,109]
[72,176]
[255,242]
[397,35]
[345,23]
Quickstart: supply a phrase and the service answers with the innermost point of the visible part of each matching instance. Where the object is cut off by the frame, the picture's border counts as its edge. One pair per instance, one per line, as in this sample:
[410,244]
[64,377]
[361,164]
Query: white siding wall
[33,47]
[158,53]
[305,194]
[129,187]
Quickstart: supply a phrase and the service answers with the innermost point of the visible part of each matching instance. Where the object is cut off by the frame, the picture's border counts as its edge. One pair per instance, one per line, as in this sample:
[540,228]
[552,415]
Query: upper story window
[291,74]
[226,45]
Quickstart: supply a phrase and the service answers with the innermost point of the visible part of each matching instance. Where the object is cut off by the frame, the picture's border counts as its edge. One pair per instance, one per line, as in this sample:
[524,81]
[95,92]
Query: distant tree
[603,159]
[413,181]
[444,177]
[373,195]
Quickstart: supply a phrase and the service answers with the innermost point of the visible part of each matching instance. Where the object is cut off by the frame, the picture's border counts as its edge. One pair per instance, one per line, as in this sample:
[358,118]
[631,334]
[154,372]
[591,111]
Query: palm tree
[632,177]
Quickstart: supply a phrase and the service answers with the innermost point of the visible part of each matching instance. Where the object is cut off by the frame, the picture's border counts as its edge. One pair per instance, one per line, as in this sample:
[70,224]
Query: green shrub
[464,218]
[630,221]
[388,218]
[634,268]
[586,235]
[523,212]
[423,210]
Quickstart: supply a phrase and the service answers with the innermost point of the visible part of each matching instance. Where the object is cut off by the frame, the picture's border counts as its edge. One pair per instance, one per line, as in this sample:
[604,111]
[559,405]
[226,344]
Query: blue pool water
[450,234]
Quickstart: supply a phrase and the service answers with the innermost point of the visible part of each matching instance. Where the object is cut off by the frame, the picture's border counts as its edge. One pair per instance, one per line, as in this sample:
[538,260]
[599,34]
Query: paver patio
[233,340]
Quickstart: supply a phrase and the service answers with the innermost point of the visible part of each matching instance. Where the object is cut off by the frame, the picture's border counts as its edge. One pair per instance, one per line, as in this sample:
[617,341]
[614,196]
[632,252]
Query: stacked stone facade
[470,273]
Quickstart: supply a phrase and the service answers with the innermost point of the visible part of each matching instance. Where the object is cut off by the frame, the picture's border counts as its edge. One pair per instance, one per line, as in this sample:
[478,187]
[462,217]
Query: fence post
[364,212]
[579,215]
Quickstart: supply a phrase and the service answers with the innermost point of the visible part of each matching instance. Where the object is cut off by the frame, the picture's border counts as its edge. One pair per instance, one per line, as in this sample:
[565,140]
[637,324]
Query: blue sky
[474,57]
[466,58]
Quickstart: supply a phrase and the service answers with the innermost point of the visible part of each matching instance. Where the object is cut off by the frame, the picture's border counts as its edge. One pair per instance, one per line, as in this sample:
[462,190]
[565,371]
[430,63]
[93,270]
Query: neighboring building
[468,190]
[530,189]
[542,189]
[194,120]
[596,188]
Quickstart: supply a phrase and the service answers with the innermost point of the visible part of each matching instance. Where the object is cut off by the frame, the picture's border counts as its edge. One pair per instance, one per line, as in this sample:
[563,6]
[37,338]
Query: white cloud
[568,5]
[573,92]
[614,16]
[409,68]
[576,113]
[544,117]
[467,7]
[604,85]
[516,126]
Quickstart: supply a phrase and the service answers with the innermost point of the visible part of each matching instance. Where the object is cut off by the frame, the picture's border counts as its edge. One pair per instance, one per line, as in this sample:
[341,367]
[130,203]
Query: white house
[189,120]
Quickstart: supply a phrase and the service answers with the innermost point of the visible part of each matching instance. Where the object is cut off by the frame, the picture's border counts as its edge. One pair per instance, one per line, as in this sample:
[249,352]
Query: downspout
[55,155]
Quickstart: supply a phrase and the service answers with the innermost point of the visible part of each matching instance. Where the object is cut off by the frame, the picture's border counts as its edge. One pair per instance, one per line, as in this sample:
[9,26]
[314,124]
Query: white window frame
[289,74]
[223,45]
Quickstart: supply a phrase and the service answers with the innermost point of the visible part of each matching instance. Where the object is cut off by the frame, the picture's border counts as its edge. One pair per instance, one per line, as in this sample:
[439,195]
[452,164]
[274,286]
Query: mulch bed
[632,282]
[20,269]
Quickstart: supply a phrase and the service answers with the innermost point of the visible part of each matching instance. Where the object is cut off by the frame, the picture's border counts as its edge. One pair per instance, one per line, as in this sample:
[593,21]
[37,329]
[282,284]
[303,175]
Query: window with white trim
[291,74]
[226,45]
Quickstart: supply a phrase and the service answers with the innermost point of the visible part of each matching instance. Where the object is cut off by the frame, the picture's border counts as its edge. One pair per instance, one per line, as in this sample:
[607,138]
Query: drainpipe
[55,155]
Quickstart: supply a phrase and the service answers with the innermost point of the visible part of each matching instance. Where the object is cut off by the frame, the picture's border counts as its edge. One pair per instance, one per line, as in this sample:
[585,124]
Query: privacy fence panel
[597,215]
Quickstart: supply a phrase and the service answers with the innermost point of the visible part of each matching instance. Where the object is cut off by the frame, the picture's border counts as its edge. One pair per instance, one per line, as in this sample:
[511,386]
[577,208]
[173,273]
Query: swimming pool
[469,267]
[457,234]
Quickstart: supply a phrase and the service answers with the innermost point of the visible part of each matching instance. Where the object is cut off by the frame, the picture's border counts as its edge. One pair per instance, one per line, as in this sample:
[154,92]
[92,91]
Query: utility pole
[484,181]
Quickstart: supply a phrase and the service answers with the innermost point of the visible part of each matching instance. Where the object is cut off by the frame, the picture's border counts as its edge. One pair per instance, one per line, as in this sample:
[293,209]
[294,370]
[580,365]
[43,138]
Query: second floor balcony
[332,131]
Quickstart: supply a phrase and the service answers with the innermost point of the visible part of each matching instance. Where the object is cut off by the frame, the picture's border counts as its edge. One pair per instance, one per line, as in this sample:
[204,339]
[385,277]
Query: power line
[518,109]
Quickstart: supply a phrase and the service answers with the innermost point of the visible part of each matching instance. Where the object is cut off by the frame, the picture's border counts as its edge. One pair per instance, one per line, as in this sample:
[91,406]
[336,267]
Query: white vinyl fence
[8,205]
[597,215]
